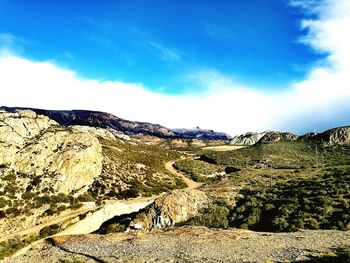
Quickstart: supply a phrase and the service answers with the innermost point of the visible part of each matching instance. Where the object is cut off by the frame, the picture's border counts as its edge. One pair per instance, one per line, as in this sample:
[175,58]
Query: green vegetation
[283,154]
[86,198]
[215,216]
[138,166]
[341,254]
[9,247]
[299,204]
[3,202]
[315,202]
[49,231]
[196,169]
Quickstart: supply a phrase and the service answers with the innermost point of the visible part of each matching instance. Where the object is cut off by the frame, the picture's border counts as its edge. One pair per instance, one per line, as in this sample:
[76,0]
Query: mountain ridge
[108,120]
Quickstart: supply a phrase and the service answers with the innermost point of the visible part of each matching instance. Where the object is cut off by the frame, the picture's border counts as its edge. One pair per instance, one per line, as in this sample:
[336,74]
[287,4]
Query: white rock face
[248,138]
[175,207]
[93,221]
[66,158]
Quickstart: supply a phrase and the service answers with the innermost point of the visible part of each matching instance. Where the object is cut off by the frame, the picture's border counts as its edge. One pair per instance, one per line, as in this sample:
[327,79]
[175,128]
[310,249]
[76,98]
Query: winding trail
[81,226]
[59,219]
[190,183]
[52,221]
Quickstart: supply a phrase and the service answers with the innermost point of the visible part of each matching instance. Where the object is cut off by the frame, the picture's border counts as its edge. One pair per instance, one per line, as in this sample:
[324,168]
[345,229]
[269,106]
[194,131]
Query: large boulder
[175,207]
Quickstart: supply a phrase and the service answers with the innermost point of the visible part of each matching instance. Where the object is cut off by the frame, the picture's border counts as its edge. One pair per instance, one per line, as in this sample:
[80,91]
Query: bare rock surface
[339,135]
[175,207]
[188,244]
[248,138]
[34,145]
[273,136]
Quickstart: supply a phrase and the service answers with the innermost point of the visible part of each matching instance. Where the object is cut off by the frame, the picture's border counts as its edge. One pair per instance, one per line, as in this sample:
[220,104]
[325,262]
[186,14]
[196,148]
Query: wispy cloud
[164,52]
[135,37]
[11,43]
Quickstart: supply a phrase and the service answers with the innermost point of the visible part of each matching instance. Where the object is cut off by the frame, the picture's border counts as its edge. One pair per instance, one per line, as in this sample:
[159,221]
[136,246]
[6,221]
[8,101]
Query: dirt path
[169,166]
[190,183]
[60,218]
[55,220]
[223,148]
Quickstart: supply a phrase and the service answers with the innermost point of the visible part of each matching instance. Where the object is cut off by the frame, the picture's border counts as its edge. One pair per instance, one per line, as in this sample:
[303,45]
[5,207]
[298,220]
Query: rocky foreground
[188,244]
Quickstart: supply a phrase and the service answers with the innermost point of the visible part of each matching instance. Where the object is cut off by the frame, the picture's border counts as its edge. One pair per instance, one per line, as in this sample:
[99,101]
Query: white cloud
[10,42]
[321,100]
[165,53]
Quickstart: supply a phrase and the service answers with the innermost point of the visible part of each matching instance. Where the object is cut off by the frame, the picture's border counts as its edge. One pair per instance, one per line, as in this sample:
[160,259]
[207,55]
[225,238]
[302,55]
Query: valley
[135,196]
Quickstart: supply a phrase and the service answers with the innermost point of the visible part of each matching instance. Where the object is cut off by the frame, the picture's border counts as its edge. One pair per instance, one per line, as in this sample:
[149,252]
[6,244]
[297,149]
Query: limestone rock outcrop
[66,159]
[249,138]
[102,120]
[339,135]
[175,207]
[273,136]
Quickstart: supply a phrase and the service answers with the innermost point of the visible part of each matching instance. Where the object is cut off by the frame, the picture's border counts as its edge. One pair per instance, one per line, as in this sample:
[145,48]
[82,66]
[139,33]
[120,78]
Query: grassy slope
[288,154]
[134,169]
[292,197]
[196,169]
[322,202]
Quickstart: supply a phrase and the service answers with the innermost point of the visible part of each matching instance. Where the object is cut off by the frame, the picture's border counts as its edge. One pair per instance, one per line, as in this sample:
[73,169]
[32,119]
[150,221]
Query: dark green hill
[283,154]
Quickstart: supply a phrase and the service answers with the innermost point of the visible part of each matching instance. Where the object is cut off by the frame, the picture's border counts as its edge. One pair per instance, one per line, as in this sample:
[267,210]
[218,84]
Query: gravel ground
[188,244]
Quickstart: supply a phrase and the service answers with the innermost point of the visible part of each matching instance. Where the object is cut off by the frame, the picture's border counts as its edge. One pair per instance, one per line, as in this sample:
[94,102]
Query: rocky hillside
[252,138]
[248,138]
[109,121]
[103,120]
[274,136]
[201,134]
[176,207]
[339,135]
[335,136]
[46,168]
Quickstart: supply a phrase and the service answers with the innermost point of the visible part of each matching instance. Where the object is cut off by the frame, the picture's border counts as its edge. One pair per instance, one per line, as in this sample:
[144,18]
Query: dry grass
[223,148]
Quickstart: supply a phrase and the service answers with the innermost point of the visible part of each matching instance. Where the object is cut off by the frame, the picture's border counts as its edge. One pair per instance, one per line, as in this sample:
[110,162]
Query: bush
[115,228]
[60,198]
[2,214]
[49,231]
[86,198]
[320,203]
[3,202]
[214,217]
[13,211]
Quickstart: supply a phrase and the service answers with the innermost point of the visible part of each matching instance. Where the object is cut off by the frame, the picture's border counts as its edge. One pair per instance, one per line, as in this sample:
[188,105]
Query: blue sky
[157,43]
[233,66]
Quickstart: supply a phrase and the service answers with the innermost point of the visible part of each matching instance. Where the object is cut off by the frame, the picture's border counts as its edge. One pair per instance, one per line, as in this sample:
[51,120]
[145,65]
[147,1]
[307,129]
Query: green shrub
[49,231]
[214,217]
[86,198]
[60,198]
[320,203]
[2,214]
[114,228]
[3,202]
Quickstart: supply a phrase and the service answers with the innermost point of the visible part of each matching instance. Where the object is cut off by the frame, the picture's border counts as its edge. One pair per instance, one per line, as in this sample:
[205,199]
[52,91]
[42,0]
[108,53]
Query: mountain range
[107,120]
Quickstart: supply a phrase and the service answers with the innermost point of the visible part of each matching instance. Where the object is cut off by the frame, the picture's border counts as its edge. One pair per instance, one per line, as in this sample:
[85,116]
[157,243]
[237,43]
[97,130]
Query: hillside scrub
[132,170]
[319,202]
[199,171]
[282,154]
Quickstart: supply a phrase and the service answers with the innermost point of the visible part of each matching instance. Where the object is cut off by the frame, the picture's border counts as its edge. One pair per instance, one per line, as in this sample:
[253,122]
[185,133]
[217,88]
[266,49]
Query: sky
[233,66]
